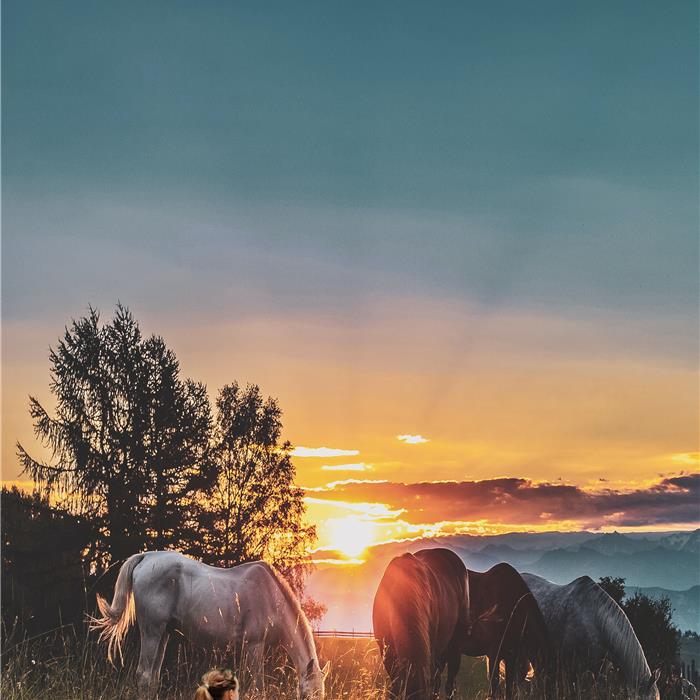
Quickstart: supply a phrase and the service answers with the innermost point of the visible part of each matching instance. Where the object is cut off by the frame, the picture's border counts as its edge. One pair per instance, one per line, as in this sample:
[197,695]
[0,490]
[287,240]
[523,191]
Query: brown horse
[420,611]
[506,625]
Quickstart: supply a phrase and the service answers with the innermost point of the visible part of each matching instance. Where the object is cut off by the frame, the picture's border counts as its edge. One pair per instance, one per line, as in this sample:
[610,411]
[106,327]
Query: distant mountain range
[656,563]
[686,604]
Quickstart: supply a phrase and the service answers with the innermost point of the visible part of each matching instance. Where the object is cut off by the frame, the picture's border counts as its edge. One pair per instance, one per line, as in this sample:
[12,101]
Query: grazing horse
[587,627]
[247,609]
[419,610]
[506,625]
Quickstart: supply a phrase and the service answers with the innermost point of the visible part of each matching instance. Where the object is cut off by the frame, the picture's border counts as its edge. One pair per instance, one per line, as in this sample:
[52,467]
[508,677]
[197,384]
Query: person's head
[218,684]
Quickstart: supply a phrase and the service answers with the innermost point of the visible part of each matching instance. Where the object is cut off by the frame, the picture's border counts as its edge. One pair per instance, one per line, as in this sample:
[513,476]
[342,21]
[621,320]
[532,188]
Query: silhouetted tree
[129,439]
[256,510]
[614,587]
[43,580]
[652,619]
[176,450]
[314,610]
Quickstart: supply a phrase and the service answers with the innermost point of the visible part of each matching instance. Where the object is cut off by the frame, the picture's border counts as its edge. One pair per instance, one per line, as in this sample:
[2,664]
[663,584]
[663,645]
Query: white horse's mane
[594,605]
[291,598]
[619,634]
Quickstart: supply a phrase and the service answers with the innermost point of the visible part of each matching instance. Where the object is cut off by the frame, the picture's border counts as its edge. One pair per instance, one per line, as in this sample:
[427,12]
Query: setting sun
[350,535]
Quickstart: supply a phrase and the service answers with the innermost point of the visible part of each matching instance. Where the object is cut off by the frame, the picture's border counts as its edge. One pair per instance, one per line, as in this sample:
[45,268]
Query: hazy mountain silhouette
[665,563]
[614,543]
[662,567]
[686,604]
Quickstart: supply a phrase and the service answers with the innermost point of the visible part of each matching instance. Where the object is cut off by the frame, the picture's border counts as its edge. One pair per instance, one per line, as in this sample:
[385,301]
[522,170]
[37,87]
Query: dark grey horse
[587,628]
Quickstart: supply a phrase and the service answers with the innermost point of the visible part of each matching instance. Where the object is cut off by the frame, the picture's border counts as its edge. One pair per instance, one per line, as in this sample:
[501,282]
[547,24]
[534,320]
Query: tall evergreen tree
[256,509]
[129,438]
[176,453]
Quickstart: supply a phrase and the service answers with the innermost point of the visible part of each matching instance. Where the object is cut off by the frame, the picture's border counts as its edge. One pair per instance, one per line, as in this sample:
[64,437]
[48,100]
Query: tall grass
[68,665]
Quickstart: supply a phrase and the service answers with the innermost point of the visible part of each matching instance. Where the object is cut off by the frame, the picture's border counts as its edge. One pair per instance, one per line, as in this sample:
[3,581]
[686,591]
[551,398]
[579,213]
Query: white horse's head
[312,683]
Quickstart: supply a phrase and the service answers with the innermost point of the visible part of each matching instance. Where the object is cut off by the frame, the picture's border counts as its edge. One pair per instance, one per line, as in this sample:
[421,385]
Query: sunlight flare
[350,535]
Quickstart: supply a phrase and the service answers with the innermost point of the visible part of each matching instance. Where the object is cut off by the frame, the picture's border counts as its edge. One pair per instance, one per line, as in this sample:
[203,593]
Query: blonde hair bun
[215,683]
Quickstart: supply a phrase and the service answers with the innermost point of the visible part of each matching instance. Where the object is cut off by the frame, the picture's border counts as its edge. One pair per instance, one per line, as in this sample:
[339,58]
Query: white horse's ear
[326,669]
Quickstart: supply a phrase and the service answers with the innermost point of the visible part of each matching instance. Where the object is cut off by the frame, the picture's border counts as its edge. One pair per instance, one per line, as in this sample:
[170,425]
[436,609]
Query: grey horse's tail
[115,619]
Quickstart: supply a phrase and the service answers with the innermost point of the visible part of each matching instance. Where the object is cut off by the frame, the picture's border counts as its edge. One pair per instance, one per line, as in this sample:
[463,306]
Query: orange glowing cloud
[412,439]
[518,503]
[356,467]
[322,452]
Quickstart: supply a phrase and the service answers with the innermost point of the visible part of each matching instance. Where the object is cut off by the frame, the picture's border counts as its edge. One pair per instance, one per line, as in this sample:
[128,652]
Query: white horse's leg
[255,658]
[153,643]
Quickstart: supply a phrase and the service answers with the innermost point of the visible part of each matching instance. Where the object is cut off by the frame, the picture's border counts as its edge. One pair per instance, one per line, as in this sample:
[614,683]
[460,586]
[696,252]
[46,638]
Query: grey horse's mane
[618,633]
[293,600]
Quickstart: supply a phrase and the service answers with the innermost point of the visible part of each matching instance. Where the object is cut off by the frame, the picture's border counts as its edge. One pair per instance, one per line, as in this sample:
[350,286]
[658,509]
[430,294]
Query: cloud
[322,452]
[356,467]
[517,501]
[371,511]
[345,482]
[689,459]
[412,439]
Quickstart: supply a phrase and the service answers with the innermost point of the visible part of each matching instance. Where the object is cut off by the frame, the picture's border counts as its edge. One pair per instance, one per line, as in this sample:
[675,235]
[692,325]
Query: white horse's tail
[115,619]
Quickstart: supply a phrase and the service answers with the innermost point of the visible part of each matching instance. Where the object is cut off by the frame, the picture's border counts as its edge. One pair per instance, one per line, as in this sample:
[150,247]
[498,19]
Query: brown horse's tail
[115,619]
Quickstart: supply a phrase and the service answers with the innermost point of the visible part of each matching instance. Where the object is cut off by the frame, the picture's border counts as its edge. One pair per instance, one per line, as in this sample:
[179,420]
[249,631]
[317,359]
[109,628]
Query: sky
[473,225]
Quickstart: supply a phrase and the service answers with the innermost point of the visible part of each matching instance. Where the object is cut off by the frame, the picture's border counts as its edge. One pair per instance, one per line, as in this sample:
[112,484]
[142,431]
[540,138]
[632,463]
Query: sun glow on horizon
[350,535]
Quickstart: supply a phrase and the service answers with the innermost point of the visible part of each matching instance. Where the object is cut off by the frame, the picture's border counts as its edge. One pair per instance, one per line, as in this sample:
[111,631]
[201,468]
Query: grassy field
[80,672]
[62,669]
[357,671]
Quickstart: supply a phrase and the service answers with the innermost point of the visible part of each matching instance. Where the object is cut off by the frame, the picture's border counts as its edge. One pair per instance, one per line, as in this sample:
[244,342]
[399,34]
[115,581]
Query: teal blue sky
[545,151]
[530,166]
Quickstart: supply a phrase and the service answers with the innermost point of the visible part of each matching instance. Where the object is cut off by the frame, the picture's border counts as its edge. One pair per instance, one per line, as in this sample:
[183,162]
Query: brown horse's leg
[453,661]
[494,675]
[396,673]
[511,672]
[437,677]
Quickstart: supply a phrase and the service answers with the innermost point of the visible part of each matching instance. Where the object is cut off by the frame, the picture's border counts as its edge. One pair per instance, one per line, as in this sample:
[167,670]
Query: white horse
[588,627]
[248,609]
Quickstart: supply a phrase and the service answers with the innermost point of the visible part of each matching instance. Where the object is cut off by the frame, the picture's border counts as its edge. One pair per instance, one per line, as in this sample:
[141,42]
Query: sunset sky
[460,246]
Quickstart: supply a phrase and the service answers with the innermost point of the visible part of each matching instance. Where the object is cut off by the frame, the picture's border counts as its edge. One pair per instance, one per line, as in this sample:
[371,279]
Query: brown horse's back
[417,609]
[526,626]
[507,619]
[400,614]
[401,617]
[451,602]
